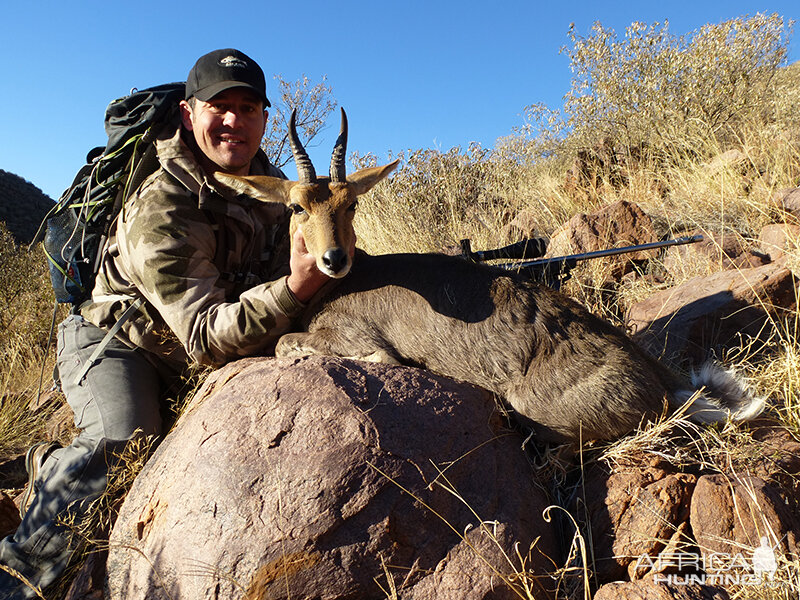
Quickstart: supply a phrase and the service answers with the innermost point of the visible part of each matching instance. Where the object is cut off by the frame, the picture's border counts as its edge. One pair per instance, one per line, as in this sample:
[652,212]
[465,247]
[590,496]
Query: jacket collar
[177,157]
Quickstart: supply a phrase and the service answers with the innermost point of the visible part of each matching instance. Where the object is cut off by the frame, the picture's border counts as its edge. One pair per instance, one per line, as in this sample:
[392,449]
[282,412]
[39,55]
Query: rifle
[554,271]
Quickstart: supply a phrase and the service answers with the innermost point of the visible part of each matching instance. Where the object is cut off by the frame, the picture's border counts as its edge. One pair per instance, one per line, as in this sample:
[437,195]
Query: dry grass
[89,533]
[26,314]
[695,175]
[692,165]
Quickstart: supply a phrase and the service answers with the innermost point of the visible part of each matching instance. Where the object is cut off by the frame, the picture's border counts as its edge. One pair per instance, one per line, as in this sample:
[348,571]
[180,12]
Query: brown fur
[566,373]
[323,210]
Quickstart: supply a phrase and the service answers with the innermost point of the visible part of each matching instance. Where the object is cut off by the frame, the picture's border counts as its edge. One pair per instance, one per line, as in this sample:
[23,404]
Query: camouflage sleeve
[167,246]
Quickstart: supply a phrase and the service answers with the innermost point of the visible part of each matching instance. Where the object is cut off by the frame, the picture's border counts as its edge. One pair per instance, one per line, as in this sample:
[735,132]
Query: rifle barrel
[601,253]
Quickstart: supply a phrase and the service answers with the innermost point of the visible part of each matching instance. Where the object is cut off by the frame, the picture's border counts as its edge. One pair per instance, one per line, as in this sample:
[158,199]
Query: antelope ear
[364,180]
[258,187]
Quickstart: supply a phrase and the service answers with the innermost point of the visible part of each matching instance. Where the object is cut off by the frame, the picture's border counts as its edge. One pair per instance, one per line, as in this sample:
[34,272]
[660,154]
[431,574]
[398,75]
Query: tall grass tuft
[26,315]
[700,129]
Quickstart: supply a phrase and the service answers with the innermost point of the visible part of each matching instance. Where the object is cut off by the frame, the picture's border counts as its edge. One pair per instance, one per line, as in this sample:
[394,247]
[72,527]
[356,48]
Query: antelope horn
[305,170]
[338,174]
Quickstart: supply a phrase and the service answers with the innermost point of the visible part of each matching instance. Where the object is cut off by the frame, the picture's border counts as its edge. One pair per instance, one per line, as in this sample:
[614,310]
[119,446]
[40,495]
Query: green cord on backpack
[76,227]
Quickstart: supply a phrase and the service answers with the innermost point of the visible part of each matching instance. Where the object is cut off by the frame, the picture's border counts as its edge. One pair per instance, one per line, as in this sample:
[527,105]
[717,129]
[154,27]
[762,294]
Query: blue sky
[410,74]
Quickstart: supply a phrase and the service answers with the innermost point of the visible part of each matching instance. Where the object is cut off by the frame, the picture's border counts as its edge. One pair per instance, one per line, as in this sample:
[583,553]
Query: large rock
[732,160]
[779,239]
[615,225]
[730,515]
[650,590]
[620,223]
[787,201]
[633,513]
[713,311]
[779,460]
[325,478]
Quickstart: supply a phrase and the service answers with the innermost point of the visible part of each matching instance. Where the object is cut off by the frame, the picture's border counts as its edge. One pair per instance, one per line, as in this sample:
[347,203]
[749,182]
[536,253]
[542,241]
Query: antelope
[565,373]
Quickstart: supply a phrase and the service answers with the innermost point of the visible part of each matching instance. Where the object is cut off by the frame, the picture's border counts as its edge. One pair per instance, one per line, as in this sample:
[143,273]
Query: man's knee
[113,395]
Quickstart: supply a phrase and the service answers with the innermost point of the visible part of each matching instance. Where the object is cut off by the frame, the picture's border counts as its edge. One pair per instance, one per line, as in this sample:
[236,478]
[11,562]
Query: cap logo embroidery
[232,61]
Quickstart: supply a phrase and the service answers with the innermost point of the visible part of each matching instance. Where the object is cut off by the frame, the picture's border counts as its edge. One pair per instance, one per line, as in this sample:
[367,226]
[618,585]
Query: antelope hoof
[379,356]
[290,346]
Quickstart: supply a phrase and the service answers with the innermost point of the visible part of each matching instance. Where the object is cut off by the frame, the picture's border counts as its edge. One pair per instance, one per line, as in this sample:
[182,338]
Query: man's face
[228,129]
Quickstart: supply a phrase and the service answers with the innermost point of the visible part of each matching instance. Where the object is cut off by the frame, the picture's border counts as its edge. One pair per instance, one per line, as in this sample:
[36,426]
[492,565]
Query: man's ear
[186,115]
[258,187]
[266,118]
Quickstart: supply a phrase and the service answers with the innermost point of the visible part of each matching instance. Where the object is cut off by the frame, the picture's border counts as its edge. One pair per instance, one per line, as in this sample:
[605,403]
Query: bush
[435,200]
[653,118]
[663,91]
[26,308]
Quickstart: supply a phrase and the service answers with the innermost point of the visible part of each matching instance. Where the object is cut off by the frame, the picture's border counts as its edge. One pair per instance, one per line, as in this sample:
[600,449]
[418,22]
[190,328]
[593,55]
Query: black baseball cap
[222,70]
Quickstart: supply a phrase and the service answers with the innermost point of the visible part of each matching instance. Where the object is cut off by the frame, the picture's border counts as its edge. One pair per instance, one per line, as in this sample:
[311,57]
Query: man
[202,277]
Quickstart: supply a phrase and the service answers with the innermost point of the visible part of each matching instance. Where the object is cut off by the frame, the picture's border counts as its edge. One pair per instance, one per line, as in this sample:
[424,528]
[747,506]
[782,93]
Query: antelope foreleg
[326,343]
[297,344]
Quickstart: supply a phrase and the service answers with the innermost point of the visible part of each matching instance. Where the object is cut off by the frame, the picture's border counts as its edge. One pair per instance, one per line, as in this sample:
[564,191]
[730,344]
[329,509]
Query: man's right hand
[305,278]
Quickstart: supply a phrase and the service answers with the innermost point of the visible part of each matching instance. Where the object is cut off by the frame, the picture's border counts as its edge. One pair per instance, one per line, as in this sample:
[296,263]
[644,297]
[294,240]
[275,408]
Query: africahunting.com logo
[715,568]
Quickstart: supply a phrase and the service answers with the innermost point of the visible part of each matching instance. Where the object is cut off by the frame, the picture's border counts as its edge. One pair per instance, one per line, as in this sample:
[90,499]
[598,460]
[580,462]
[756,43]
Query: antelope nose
[335,260]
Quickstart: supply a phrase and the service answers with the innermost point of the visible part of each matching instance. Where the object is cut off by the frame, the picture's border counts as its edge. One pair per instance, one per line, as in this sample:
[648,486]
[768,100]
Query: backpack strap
[107,338]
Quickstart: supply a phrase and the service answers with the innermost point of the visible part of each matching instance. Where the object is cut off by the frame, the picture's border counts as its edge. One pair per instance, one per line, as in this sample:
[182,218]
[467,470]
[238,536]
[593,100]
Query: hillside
[691,134]
[22,206]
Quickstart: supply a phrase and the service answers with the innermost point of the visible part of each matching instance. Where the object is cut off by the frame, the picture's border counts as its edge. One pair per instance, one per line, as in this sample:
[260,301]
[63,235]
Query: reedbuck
[566,373]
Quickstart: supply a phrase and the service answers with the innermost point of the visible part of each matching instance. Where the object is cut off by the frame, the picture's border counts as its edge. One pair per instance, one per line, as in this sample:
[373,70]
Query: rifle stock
[527,248]
[553,271]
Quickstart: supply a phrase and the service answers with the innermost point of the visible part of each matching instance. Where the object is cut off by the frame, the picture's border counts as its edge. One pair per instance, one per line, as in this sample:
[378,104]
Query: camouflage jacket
[211,268]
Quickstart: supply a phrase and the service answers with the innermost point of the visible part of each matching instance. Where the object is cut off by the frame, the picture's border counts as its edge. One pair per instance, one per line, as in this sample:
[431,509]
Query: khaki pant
[116,400]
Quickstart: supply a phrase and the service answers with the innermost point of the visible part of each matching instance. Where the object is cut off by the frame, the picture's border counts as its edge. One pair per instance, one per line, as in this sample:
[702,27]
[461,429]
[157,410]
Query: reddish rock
[633,513]
[619,224]
[524,225]
[713,311]
[778,456]
[594,167]
[730,160]
[89,581]
[779,238]
[650,590]
[615,225]
[322,477]
[642,520]
[715,252]
[9,515]
[787,201]
[730,515]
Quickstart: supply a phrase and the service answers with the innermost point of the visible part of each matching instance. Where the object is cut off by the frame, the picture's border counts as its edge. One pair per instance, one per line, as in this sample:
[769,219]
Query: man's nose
[232,118]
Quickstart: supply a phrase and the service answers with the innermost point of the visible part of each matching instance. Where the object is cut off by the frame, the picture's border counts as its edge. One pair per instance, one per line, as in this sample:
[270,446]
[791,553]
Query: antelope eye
[297,209]
[353,206]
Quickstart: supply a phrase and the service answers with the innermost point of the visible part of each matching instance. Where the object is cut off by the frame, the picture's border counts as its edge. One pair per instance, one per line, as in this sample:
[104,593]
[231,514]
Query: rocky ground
[338,479]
